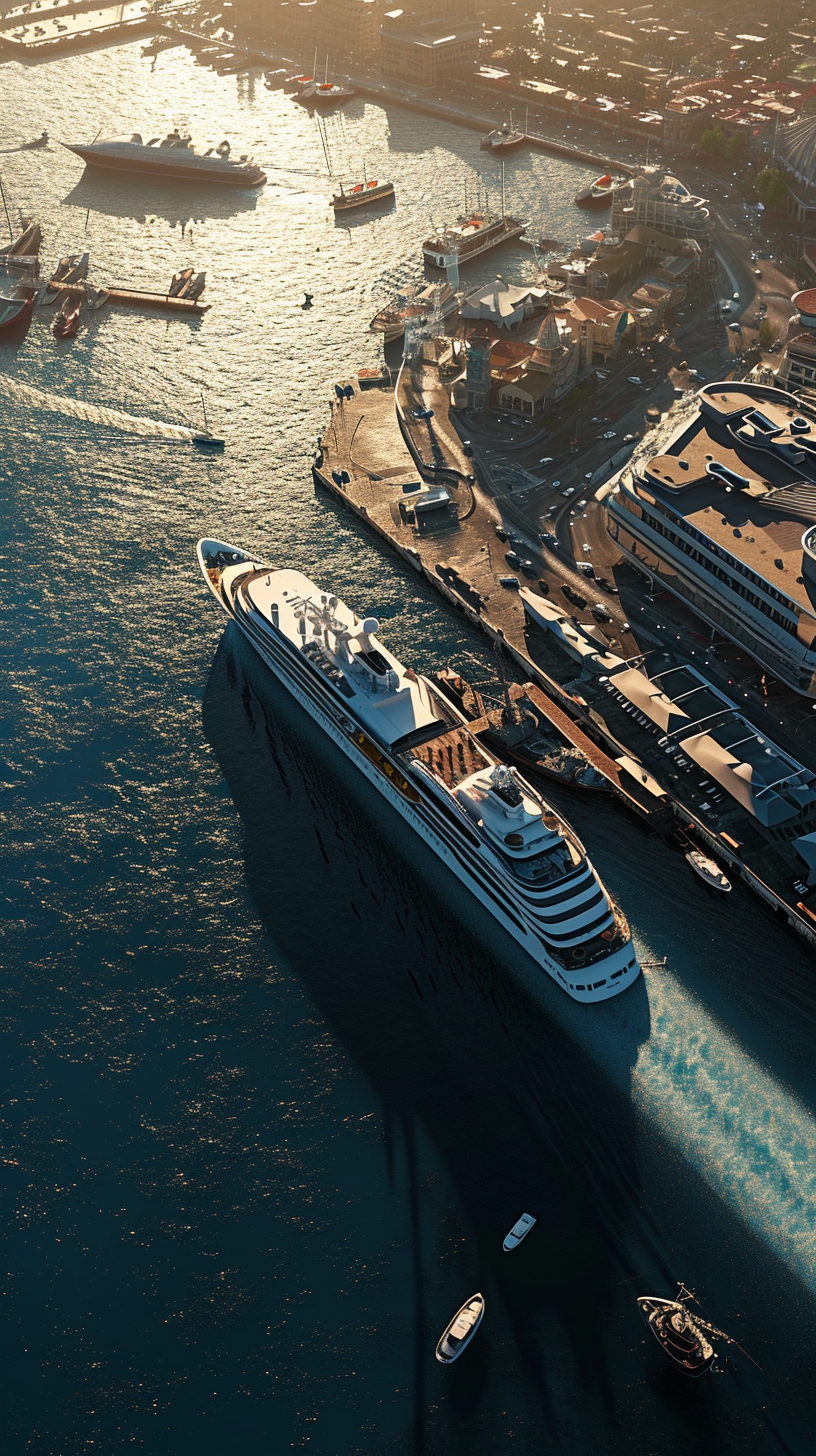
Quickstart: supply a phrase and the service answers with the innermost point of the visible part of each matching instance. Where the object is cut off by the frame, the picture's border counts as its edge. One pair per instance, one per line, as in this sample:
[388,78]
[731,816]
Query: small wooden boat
[519,1231]
[680,1334]
[708,870]
[16,308]
[78,269]
[66,322]
[96,297]
[461,1330]
[179,282]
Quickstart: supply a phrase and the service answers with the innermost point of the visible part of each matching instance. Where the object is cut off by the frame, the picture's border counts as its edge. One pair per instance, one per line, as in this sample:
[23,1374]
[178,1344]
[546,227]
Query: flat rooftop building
[724,516]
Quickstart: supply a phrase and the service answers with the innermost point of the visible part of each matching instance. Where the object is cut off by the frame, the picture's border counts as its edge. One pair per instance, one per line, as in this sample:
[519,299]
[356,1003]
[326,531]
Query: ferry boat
[360,194]
[173,157]
[599,193]
[414,304]
[472,235]
[506,844]
[503,139]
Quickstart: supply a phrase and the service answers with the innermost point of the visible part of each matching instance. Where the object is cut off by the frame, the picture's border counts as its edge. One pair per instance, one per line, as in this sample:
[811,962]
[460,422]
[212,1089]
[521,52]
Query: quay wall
[574,707]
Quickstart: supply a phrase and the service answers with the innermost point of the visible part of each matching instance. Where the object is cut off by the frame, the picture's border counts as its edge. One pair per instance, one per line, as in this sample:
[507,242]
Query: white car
[570,490]
[609,434]
[634,379]
[546,460]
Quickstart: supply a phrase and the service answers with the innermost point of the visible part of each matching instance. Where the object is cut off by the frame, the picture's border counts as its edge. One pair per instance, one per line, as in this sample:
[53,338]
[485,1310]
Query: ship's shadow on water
[404,968]
[140,198]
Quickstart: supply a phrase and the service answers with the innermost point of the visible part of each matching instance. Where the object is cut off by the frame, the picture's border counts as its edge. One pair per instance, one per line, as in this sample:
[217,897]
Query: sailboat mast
[502,207]
[5,209]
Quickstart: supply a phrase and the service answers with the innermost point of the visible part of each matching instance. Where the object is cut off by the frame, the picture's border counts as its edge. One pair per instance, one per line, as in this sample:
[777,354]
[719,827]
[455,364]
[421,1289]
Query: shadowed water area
[274,1086]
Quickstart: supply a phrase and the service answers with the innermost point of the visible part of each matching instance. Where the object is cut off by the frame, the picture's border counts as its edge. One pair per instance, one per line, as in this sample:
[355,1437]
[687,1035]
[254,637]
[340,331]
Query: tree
[767,335]
[712,142]
[735,147]
[772,188]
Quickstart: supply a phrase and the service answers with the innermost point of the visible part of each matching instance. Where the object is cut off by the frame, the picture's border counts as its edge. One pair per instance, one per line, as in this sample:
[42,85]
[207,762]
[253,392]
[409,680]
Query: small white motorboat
[708,870]
[518,1232]
[461,1330]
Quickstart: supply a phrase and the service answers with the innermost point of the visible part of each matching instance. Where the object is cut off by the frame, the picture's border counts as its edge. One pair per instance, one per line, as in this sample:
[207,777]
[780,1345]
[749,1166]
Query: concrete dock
[372,451]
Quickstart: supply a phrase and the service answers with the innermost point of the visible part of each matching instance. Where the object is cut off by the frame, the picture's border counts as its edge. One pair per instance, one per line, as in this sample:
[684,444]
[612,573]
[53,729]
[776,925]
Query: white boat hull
[329,717]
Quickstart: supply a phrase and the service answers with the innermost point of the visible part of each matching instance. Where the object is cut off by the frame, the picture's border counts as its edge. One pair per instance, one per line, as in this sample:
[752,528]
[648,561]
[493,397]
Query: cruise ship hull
[617,971]
[173,168]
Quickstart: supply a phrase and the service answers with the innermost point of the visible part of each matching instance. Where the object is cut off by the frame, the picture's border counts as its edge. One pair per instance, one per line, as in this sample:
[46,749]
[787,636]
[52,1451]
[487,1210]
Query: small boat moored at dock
[472,235]
[461,1330]
[66,323]
[519,1231]
[503,139]
[600,192]
[708,870]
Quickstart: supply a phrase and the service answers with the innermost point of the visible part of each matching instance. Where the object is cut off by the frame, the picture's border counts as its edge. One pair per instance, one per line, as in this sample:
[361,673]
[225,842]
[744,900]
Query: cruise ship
[474,234]
[499,836]
[173,157]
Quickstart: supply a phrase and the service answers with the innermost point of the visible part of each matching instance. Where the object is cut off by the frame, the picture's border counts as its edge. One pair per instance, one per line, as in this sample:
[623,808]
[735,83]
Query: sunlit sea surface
[274,1086]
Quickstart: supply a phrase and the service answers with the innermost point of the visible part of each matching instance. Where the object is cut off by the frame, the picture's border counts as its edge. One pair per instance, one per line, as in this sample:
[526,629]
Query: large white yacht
[501,838]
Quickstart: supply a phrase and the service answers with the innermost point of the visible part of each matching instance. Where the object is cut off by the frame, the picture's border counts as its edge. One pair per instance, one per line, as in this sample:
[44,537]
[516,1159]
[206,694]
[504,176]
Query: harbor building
[658,200]
[797,368]
[723,515]
[426,52]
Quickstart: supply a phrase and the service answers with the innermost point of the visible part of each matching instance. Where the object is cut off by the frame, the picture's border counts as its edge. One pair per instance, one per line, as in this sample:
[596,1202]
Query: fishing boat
[179,282]
[413,305]
[600,192]
[682,1336]
[461,1330]
[66,322]
[708,870]
[16,305]
[503,139]
[361,194]
[519,1231]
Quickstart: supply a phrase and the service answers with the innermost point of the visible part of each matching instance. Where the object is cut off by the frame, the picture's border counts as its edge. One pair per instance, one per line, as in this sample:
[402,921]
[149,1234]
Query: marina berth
[173,157]
[502,839]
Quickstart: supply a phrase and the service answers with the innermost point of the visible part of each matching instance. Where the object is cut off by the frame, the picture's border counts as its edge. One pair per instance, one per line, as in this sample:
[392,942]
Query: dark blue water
[274,1087]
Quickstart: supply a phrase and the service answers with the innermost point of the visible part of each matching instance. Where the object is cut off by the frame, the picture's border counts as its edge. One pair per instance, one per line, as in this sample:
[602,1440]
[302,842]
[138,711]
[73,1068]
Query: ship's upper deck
[393,701]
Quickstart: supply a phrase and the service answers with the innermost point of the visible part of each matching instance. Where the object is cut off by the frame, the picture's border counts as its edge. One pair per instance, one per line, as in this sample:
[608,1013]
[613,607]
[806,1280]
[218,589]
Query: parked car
[627,439]
[573,596]
[528,568]
[512,558]
[609,434]
[600,613]
[512,583]
[546,460]
[422,414]
[586,568]
[570,490]
[501,533]
[467,448]
[634,379]
[543,586]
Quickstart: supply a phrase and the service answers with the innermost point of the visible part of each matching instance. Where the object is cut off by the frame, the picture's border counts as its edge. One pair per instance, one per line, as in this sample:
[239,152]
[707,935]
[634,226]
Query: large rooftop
[742,472]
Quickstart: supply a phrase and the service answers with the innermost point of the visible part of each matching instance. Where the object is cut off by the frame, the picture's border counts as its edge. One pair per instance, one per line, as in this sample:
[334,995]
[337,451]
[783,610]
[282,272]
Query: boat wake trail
[750,1138]
[94,414]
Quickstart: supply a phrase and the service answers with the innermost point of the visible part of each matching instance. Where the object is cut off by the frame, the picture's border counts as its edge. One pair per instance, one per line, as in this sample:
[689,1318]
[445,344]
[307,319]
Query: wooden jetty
[136,298]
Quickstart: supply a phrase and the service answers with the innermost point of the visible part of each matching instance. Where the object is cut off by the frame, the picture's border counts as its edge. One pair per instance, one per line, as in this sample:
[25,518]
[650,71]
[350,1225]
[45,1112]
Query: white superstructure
[500,837]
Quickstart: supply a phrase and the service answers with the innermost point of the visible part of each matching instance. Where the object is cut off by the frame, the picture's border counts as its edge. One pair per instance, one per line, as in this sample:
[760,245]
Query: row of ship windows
[736,566]
[723,575]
